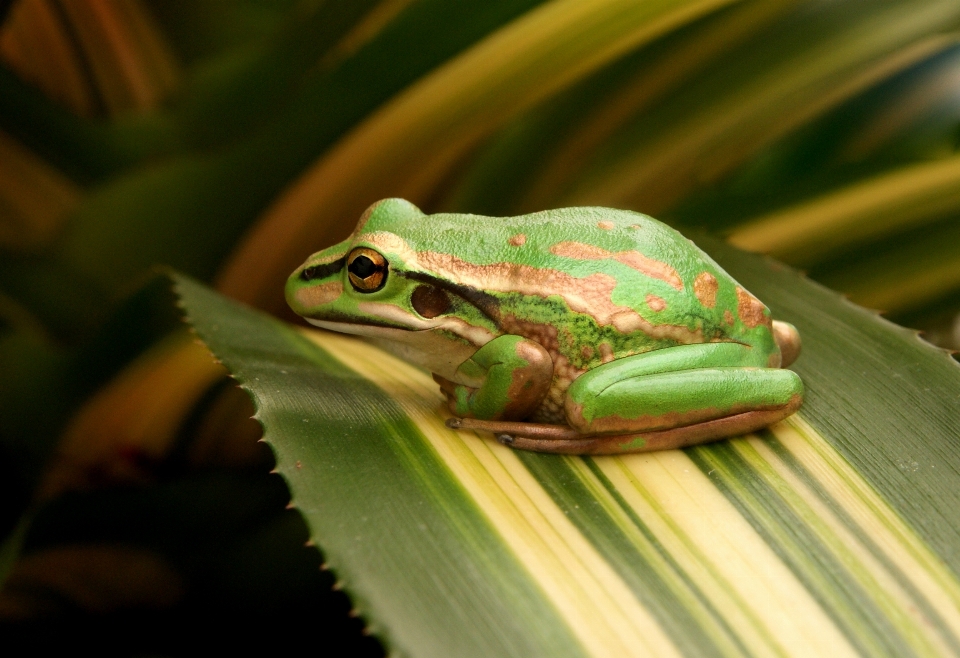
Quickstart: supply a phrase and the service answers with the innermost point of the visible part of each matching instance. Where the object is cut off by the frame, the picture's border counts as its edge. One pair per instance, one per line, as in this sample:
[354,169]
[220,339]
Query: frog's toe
[788,339]
[447,387]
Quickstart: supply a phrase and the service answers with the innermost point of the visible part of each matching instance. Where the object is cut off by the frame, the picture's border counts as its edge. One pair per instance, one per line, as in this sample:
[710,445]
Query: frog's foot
[562,439]
[677,437]
[511,376]
[533,431]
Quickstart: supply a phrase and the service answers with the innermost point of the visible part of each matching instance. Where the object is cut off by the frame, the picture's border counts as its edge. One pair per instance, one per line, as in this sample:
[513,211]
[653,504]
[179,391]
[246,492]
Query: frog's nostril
[309,273]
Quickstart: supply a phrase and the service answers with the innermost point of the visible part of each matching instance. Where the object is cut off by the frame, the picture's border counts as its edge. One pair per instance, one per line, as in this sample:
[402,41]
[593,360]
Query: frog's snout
[788,339]
[290,290]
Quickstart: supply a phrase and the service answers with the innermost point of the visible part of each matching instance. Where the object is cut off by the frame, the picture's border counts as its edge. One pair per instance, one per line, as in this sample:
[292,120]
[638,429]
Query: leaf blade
[612,545]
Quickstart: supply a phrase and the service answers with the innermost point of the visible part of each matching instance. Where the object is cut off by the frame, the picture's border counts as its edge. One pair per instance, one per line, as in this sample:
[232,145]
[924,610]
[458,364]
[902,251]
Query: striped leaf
[408,147]
[834,533]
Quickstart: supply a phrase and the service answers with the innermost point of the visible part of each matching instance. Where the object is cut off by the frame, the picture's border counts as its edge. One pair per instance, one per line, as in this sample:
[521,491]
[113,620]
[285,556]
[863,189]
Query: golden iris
[367,269]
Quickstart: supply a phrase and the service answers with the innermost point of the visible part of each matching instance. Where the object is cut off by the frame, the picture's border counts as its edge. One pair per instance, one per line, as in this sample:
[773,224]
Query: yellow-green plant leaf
[35,198]
[525,166]
[894,201]
[407,147]
[812,61]
[101,57]
[834,533]
[905,273]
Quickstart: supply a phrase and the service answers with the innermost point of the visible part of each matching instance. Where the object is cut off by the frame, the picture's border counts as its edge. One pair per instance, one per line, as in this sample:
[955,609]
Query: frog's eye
[367,270]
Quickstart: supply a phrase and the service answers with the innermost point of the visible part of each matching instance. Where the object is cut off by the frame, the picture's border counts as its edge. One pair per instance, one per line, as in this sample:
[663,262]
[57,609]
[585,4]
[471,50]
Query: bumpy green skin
[652,333]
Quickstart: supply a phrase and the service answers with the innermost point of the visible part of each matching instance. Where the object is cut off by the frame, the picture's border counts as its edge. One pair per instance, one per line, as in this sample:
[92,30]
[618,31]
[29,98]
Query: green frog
[577,330]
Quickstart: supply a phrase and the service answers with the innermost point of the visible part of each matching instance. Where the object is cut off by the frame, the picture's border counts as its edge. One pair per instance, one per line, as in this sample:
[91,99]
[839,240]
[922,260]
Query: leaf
[132,421]
[407,148]
[94,578]
[43,383]
[834,533]
[810,232]
[237,556]
[905,273]
[189,210]
[537,154]
[35,198]
[812,60]
[231,95]
[94,57]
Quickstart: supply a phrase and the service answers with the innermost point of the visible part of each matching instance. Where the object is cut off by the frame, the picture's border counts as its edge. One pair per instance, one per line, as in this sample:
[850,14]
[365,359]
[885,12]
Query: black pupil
[362,267]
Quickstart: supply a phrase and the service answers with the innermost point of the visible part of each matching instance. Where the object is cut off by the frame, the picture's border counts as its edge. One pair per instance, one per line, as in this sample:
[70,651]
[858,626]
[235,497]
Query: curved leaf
[411,143]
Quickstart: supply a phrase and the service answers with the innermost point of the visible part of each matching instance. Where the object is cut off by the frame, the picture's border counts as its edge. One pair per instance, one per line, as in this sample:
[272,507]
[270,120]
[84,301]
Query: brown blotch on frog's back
[751,310]
[728,317]
[656,303]
[606,353]
[590,295]
[633,259]
[705,288]
[517,240]
[606,226]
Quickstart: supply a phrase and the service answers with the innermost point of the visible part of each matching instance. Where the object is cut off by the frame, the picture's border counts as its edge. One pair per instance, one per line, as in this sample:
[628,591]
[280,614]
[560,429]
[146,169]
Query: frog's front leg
[693,392]
[506,380]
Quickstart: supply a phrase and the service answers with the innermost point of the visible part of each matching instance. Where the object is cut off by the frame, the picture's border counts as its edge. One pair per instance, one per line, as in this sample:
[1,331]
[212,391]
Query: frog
[583,331]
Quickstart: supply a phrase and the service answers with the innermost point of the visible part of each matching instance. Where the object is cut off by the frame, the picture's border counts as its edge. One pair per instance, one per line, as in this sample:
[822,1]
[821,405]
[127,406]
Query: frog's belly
[550,411]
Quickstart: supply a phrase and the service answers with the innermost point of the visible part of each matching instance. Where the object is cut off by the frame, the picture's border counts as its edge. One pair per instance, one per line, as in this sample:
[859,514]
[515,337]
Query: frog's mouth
[391,323]
[371,319]
[367,327]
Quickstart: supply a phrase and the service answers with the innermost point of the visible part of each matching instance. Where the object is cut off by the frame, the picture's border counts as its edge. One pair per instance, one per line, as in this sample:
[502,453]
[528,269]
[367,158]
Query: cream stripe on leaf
[743,578]
[599,608]
[924,590]
[829,569]
[878,522]
[883,402]
[635,554]
[406,540]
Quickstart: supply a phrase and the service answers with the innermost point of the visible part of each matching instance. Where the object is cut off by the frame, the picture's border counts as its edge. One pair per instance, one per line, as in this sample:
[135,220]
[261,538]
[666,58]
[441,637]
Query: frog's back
[608,282]
[609,260]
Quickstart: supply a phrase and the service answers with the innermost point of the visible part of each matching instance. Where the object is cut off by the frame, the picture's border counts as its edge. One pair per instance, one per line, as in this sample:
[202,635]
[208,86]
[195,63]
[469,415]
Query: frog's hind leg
[696,393]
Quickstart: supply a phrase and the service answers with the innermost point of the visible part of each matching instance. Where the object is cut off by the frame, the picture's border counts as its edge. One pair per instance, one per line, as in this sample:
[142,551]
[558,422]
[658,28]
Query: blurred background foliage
[230,139]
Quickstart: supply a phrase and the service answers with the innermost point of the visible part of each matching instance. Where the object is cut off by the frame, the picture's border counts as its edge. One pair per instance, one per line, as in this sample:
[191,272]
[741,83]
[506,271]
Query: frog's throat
[414,346]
